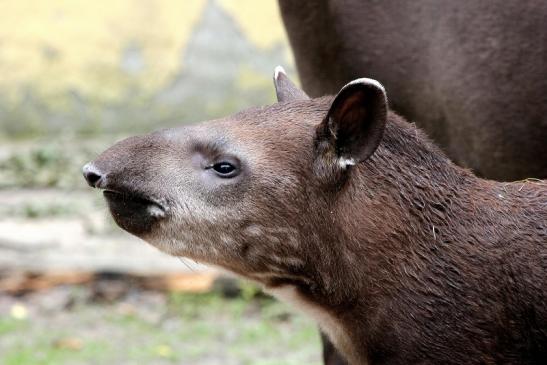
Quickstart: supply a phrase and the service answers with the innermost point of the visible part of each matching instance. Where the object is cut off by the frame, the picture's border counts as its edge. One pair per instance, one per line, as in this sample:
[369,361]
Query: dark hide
[472,73]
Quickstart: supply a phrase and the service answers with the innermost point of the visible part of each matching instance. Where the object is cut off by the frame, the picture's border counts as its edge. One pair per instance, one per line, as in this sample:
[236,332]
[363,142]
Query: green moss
[10,325]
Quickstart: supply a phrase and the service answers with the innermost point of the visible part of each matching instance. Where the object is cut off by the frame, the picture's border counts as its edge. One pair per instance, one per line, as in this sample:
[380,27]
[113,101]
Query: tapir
[340,207]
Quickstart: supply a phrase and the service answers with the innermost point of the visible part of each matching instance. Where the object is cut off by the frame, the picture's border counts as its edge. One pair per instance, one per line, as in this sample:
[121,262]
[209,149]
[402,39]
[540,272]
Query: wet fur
[422,261]
[417,260]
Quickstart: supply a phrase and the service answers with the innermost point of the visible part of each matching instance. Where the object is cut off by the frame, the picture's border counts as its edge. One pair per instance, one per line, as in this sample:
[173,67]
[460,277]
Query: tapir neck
[403,214]
[406,195]
[401,199]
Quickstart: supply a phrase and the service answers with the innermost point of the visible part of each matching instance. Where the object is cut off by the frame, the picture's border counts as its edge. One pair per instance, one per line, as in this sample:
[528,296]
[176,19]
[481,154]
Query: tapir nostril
[92,175]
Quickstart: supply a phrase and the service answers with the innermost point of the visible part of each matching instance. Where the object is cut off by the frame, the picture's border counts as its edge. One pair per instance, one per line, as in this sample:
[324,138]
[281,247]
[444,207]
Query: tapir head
[249,192]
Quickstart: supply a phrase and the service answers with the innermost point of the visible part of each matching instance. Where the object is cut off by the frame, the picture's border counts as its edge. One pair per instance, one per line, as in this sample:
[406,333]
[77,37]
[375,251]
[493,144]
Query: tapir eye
[225,169]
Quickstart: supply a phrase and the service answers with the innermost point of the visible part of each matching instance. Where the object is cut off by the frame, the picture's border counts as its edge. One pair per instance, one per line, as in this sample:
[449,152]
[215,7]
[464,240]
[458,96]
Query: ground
[81,325]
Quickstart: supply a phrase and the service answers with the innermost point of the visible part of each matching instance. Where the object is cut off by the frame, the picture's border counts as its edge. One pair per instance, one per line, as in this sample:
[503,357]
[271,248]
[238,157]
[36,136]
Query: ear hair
[285,89]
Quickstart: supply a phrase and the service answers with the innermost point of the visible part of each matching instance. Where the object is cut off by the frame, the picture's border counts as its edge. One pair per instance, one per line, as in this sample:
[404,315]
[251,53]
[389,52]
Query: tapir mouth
[133,211]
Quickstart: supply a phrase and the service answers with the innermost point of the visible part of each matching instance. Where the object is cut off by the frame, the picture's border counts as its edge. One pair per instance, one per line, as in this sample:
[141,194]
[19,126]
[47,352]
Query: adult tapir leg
[471,73]
[315,44]
[330,355]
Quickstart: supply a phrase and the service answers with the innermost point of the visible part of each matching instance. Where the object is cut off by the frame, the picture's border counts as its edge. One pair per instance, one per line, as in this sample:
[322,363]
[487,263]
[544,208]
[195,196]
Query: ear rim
[285,89]
[327,136]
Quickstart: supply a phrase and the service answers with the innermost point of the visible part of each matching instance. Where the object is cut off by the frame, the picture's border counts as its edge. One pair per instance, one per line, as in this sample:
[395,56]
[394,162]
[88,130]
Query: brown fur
[471,73]
[415,258]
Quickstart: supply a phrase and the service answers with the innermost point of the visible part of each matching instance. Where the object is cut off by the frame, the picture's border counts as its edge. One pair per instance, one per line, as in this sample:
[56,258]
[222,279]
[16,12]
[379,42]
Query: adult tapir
[472,73]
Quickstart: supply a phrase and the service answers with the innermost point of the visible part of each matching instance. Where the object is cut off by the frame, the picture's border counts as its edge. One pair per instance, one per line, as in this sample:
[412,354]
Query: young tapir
[340,207]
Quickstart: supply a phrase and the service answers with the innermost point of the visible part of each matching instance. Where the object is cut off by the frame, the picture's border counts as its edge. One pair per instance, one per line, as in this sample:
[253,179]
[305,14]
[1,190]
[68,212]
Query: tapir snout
[126,176]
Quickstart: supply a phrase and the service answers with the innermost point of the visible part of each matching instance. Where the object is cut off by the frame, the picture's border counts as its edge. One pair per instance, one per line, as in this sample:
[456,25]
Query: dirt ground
[115,322]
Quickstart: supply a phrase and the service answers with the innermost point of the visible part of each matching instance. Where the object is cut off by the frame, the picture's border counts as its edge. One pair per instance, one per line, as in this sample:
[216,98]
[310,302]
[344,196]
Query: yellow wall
[56,45]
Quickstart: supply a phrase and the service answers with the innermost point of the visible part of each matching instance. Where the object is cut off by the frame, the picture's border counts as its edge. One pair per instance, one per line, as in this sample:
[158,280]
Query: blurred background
[75,76]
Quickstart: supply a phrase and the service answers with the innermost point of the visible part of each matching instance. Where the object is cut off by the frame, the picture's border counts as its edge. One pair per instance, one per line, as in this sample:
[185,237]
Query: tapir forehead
[286,118]
[258,134]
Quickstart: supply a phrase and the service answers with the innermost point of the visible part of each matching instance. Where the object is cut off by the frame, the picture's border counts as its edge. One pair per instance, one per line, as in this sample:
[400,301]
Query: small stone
[19,311]
[69,343]
[163,351]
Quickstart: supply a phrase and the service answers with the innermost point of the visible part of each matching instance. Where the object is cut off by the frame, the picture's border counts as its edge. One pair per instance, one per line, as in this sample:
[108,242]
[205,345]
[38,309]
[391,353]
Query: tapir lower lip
[133,212]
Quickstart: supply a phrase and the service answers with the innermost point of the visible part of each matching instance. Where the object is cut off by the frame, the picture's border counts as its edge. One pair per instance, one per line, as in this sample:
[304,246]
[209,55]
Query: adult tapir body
[472,73]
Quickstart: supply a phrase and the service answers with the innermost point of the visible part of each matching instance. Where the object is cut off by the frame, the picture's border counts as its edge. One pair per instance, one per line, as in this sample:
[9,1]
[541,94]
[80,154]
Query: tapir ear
[284,87]
[354,124]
